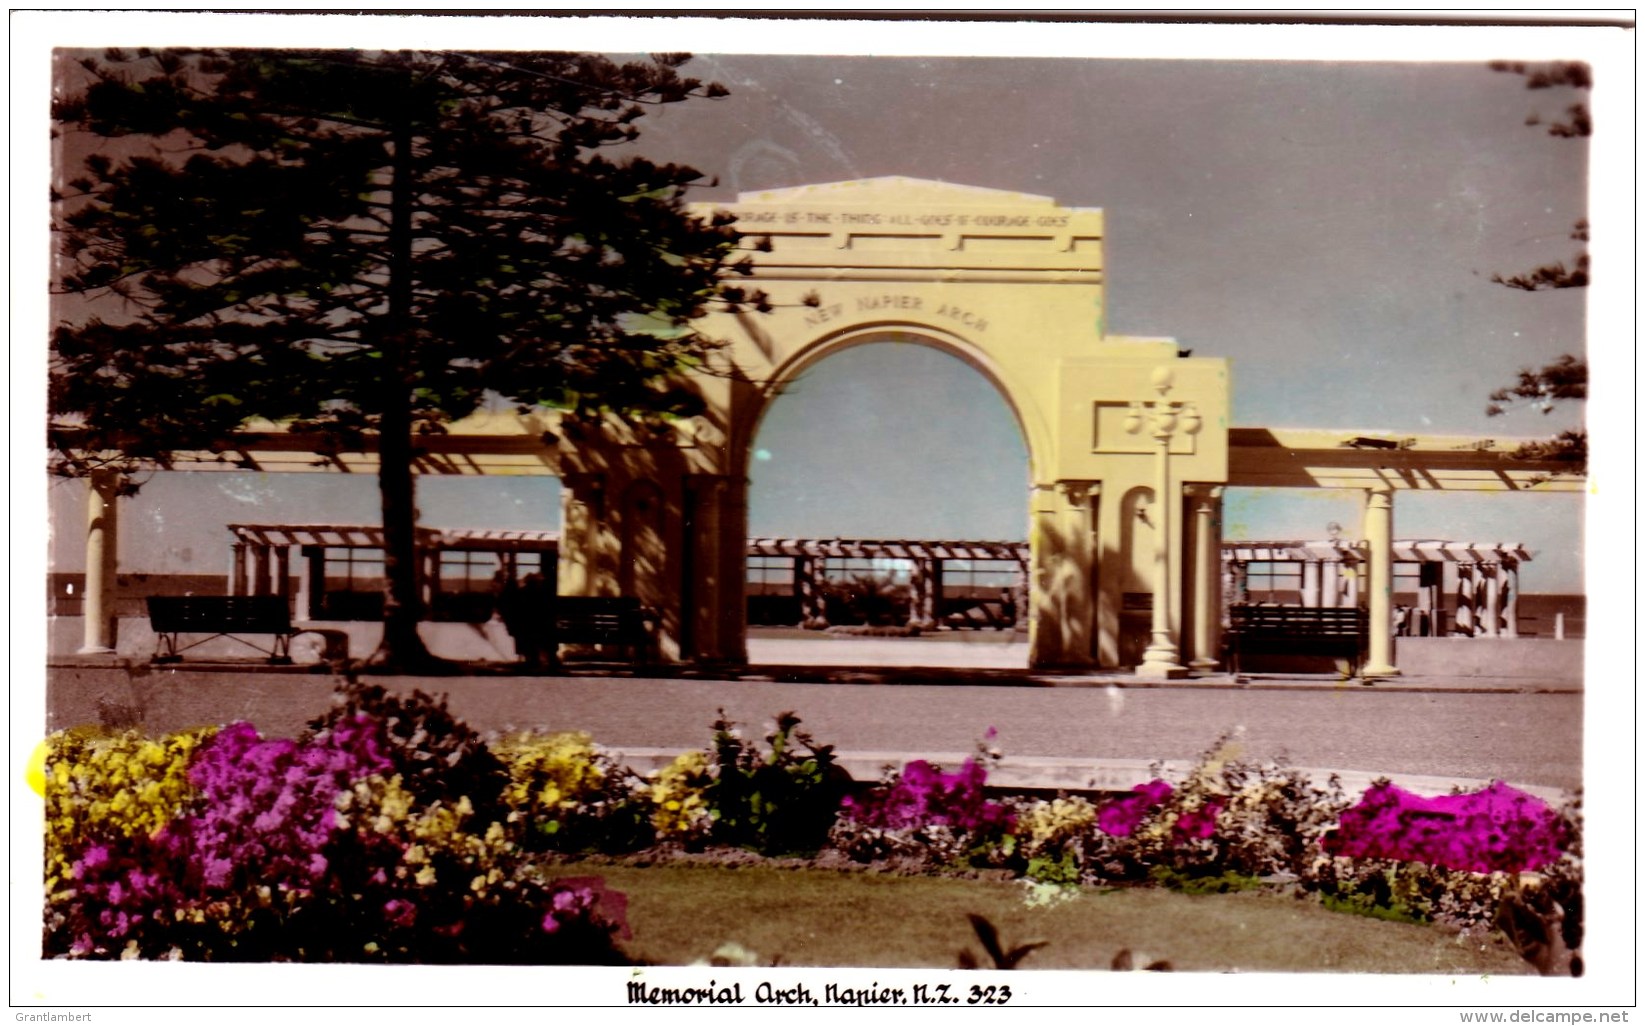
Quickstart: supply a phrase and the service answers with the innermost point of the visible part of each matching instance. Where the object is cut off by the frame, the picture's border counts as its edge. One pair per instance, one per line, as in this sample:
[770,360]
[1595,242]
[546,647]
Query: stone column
[1492,619]
[101,631]
[1379,543]
[237,569]
[1062,610]
[313,602]
[919,588]
[282,571]
[1331,587]
[805,586]
[1427,595]
[1239,582]
[1311,583]
[1206,614]
[430,577]
[260,575]
[719,568]
[1510,607]
[1465,599]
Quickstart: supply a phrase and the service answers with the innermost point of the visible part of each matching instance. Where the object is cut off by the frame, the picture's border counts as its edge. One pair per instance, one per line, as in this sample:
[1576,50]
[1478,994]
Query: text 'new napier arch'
[1128,441]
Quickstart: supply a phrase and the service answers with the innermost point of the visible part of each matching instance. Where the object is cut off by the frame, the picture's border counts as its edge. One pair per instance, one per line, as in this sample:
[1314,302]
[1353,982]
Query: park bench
[231,616]
[618,622]
[1296,630]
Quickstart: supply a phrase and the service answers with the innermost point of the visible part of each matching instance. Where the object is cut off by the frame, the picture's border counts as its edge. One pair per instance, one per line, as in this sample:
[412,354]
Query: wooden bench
[618,622]
[230,616]
[1296,630]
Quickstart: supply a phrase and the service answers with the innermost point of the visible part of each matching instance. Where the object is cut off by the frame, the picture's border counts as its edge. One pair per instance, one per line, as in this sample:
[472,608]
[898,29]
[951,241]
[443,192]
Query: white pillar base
[1159,662]
[1161,671]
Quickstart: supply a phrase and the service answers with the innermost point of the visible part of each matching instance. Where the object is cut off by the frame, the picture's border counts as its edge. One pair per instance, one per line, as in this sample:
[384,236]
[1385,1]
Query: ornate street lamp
[1165,419]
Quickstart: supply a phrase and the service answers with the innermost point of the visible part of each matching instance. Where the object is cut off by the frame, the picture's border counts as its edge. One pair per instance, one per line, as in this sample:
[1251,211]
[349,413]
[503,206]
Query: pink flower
[1200,823]
[399,912]
[1121,816]
[1498,828]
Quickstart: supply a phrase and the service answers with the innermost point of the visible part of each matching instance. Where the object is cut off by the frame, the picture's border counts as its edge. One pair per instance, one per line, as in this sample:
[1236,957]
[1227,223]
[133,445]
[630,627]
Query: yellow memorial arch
[1012,284]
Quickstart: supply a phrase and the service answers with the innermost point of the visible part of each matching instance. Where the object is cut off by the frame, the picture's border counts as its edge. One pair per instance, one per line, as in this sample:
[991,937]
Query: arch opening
[895,438]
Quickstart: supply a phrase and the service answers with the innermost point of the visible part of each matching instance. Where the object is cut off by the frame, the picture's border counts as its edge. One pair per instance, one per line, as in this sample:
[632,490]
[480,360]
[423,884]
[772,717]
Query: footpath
[1058,730]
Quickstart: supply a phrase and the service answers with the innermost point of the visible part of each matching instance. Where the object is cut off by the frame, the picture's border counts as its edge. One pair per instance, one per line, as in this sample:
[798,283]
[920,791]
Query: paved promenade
[1064,728]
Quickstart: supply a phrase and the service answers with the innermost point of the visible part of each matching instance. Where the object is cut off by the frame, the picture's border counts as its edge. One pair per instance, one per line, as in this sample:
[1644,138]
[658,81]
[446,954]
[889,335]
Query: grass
[681,914]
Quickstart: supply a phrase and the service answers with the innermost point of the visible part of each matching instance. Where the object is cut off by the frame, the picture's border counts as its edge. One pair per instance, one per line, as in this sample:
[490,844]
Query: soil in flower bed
[682,911]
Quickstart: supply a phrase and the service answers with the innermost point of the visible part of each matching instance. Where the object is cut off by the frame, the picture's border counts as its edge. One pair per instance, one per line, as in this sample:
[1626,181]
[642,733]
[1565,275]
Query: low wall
[1545,658]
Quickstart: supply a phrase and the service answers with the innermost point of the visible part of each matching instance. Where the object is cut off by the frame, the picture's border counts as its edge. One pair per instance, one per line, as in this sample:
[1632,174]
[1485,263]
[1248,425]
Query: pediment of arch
[896,189]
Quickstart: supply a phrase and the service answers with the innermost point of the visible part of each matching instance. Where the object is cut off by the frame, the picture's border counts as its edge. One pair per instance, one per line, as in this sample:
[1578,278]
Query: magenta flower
[1198,824]
[1121,816]
[925,796]
[1495,829]
[399,912]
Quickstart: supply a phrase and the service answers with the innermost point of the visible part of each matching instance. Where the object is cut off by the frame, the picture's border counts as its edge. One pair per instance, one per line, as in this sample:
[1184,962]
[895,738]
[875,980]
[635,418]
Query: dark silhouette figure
[527,612]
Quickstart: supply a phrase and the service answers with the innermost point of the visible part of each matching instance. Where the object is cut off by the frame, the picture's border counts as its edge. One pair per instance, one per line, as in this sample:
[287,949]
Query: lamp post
[1164,419]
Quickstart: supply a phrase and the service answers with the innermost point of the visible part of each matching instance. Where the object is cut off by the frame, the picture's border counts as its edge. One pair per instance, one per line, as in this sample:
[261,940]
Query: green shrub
[778,802]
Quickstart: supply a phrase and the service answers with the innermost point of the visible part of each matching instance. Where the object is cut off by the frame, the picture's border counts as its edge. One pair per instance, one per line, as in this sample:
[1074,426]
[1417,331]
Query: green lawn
[805,917]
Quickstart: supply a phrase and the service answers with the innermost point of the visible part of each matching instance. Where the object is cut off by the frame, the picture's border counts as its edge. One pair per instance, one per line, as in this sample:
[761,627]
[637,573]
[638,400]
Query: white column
[805,587]
[1159,659]
[1379,572]
[1207,572]
[922,604]
[1510,608]
[1465,598]
[1493,600]
[1311,583]
[237,569]
[282,571]
[1332,587]
[101,626]
[1239,582]
[260,569]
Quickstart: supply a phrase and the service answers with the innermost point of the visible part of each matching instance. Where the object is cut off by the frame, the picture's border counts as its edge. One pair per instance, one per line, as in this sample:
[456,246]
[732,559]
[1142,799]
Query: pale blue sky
[1329,227]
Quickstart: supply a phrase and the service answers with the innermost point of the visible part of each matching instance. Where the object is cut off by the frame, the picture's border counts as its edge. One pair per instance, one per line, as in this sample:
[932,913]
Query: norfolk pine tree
[362,247]
[1566,377]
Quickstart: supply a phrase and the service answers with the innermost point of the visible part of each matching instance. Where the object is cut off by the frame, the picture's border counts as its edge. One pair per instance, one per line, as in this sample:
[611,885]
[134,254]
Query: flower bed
[390,831]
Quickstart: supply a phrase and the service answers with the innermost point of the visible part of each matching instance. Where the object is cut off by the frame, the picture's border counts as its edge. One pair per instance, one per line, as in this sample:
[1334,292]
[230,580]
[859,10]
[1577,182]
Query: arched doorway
[887,509]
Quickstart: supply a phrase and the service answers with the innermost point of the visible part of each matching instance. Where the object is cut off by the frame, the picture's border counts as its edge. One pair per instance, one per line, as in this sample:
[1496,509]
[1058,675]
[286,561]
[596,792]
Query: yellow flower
[97,784]
[676,793]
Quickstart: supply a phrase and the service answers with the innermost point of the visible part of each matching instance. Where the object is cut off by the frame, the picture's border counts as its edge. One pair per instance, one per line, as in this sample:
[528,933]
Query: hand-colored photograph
[770,526]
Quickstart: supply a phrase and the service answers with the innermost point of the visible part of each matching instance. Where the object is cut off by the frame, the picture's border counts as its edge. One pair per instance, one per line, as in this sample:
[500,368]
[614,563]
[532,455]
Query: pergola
[1330,572]
[261,559]
[1329,575]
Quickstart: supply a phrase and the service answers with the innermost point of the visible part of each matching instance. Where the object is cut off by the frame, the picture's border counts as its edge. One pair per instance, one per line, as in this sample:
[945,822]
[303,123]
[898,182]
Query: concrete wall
[1489,657]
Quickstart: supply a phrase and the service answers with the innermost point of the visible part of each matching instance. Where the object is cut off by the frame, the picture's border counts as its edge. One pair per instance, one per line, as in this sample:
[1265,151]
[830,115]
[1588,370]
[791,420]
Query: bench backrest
[219,614]
[1297,620]
[596,605]
[600,618]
